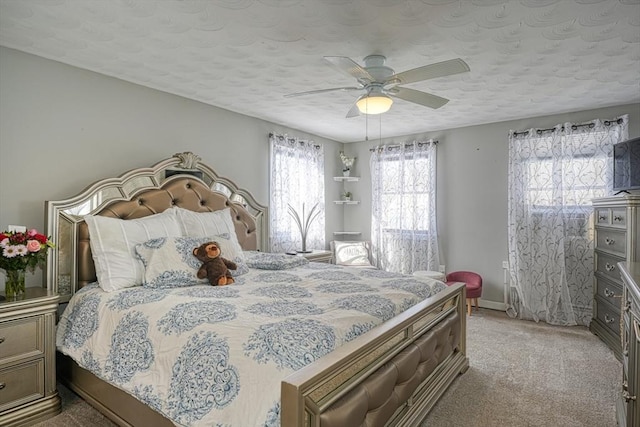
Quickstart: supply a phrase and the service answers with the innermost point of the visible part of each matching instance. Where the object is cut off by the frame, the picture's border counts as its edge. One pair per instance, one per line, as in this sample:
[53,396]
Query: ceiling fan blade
[418,97]
[440,69]
[354,111]
[349,67]
[312,92]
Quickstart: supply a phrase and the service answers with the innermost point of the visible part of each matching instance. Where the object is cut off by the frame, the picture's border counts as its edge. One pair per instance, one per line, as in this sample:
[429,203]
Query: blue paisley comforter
[215,356]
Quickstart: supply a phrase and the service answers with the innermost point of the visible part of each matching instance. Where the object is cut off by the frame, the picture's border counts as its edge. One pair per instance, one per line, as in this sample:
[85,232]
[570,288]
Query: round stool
[430,274]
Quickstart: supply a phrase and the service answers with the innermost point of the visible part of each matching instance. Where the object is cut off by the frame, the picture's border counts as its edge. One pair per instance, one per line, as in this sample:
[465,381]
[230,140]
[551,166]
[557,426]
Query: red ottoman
[473,283]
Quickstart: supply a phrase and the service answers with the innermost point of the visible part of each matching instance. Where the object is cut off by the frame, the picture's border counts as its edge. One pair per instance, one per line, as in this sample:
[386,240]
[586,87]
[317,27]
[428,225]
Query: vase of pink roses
[19,252]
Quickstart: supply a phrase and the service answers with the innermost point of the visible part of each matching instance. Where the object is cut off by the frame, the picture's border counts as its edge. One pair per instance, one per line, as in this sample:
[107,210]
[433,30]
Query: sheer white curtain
[297,179]
[403,222]
[553,176]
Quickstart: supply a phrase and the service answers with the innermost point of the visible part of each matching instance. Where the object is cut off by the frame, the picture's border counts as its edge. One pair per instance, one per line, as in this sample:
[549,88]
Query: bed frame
[390,376]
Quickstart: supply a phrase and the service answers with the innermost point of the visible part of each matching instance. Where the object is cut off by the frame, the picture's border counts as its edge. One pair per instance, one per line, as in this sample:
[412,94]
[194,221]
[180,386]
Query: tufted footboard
[391,376]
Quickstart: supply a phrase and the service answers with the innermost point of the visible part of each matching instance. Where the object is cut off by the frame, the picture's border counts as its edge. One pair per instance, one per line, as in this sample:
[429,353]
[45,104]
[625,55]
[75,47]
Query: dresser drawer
[607,266]
[609,291]
[21,384]
[608,316]
[603,216]
[21,338]
[611,240]
[611,217]
[619,217]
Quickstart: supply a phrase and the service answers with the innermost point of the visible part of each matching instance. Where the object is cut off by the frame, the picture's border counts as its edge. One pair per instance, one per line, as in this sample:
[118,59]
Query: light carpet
[522,374]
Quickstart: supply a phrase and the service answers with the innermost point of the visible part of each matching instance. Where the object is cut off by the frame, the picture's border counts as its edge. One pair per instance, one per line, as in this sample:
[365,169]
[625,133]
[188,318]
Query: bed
[290,343]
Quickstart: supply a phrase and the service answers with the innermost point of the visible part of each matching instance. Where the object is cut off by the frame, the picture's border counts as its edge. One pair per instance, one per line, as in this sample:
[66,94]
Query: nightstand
[318,256]
[28,391]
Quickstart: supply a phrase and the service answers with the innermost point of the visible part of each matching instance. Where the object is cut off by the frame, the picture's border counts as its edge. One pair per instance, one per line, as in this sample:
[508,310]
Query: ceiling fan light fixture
[374,104]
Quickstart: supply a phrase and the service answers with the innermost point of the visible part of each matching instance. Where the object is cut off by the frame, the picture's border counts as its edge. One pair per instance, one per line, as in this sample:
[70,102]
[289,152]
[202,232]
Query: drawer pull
[627,397]
[618,218]
[609,241]
[2,385]
[609,293]
[602,218]
[609,267]
[1,340]
[609,319]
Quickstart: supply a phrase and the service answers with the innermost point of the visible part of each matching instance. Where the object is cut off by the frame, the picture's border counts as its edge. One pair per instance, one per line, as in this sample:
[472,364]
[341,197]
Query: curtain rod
[292,140]
[574,127]
[391,147]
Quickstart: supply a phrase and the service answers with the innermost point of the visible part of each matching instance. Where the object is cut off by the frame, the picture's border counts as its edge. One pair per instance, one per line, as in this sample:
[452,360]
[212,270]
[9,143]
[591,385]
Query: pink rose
[33,245]
[32,232]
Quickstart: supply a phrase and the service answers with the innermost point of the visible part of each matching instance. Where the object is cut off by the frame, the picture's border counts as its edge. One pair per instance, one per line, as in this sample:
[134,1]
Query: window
[405,185]
[567,177]
[297,180]
[403,224]
[553,176]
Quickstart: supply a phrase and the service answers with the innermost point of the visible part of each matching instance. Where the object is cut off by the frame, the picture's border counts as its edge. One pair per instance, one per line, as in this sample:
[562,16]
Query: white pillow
[169,261]
[351,253]
[113,244]
[206,224]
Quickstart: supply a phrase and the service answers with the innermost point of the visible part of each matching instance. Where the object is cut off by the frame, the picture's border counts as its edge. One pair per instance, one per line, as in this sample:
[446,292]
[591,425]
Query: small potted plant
[347,163]
[346,195]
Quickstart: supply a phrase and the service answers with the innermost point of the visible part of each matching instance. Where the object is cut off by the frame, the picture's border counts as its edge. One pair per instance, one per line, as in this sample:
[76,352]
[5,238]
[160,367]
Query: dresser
[628,407]
[28,391]
[617,232]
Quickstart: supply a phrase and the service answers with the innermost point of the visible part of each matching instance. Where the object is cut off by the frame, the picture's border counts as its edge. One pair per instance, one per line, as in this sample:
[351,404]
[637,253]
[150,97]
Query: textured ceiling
[527,57]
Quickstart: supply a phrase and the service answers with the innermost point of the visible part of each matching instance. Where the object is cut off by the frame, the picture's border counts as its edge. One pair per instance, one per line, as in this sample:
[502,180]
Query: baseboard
[493,305]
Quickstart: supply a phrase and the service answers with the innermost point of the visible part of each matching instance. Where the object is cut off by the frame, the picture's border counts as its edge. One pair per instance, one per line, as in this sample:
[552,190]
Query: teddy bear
[214,267]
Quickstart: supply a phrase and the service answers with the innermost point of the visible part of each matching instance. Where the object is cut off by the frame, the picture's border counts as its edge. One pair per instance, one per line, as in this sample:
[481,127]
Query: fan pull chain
[366,126]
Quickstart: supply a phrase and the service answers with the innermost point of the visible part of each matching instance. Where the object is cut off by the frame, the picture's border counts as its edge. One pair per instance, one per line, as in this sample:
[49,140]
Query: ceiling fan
[381,83]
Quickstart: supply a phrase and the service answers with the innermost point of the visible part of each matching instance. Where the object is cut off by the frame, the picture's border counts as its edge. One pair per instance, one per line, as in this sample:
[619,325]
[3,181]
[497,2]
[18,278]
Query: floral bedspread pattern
[215,356]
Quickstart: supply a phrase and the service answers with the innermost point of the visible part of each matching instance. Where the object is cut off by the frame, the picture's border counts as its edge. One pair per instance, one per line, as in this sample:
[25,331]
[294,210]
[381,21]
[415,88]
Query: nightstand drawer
[611,241]
[21,384]
[21,338]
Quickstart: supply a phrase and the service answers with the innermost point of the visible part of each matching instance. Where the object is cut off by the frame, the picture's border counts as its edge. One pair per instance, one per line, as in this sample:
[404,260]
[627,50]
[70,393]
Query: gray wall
[472,190]
[62,128]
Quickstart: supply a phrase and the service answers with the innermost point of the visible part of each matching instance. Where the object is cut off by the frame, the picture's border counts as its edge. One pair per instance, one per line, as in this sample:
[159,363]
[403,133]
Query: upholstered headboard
[139,193]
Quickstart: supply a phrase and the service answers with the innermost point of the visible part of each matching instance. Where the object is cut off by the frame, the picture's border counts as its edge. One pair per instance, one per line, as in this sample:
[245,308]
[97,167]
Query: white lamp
[374,104]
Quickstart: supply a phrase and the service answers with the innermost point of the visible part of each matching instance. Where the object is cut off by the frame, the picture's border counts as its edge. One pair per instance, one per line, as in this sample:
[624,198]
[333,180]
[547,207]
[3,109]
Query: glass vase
[14,284]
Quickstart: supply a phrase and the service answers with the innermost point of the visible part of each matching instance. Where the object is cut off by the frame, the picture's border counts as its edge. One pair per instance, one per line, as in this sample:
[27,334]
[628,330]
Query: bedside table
[28,391]
[318,255]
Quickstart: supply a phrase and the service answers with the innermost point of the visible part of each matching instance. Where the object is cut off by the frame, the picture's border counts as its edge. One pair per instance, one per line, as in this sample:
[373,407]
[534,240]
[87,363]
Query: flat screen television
[626,165]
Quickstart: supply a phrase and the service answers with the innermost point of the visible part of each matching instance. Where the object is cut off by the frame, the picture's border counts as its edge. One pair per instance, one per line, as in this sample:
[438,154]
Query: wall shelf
[345,180]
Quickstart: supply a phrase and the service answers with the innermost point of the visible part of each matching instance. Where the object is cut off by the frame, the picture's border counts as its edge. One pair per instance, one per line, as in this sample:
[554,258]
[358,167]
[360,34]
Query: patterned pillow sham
[113,244]
[205,224]
[271,261]
[169,262]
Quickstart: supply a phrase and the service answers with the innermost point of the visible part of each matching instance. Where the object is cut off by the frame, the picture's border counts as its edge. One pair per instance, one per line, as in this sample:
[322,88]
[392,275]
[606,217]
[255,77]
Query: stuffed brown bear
[214,267]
